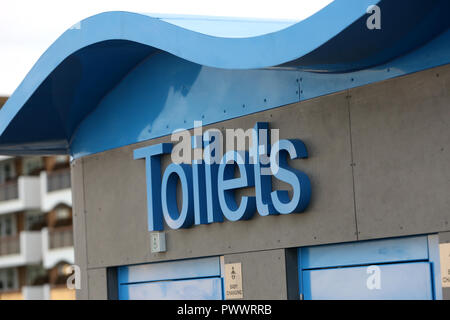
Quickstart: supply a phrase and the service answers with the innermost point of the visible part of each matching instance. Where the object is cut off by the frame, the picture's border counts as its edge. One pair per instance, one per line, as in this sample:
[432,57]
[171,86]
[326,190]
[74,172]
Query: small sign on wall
[158,242]
[444,252]
[233,281]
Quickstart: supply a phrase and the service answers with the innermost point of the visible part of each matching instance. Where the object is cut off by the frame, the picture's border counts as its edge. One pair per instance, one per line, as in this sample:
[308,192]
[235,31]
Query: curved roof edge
[100,50]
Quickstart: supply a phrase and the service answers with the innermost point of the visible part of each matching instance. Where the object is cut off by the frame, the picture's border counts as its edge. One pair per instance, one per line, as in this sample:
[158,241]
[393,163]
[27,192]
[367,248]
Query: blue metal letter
[175,219]
[227,183]
[198,178]
[263,183]
[152,156]
[298,180]
[214,212]
[200,203]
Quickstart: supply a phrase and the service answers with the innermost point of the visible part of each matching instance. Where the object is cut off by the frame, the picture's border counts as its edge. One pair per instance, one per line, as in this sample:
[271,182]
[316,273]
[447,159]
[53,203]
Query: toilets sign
[209,178]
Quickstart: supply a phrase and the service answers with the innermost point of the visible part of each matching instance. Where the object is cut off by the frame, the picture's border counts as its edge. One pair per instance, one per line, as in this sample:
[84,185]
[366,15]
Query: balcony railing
[58,179]
[60,237]
[9,190]
[9,245]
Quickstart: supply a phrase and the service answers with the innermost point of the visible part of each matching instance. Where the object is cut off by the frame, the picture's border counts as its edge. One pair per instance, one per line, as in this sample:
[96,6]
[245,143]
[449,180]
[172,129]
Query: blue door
[389,269]
[195,279]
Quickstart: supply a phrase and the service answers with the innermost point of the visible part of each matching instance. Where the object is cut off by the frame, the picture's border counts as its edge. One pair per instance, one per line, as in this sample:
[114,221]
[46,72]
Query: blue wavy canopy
[89,60]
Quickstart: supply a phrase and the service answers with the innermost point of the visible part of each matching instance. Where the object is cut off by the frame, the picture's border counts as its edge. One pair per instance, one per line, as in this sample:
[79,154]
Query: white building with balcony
[36,238]
[21,249]
[55,189]
[57,246]
[20,194]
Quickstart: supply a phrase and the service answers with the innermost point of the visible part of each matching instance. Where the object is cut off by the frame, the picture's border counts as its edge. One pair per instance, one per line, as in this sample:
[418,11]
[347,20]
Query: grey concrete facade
[264,267]
[379,164]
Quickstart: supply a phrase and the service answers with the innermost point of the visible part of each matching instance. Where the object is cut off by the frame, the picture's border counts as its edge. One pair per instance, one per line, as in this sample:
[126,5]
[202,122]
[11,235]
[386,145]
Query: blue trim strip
[190,289]
[435,265]
[300,274]
[162,271]
[365,252]
[174,279]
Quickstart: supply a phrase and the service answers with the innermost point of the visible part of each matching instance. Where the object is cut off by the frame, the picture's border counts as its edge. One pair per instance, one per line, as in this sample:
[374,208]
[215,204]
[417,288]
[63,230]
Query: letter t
[152,156]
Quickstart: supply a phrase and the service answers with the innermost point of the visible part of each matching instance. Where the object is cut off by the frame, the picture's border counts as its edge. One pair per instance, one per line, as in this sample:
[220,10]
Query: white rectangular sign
[444,250]
[233,281]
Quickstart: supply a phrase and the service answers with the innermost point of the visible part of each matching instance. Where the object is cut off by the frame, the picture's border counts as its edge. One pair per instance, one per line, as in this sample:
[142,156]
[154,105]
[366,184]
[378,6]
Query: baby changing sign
[233,281]
[444,250]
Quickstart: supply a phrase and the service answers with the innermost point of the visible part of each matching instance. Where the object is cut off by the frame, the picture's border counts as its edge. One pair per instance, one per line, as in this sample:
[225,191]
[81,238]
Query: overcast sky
[29,27]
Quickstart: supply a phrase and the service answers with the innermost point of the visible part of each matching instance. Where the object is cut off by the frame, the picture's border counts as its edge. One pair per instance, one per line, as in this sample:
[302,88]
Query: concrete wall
[379,165]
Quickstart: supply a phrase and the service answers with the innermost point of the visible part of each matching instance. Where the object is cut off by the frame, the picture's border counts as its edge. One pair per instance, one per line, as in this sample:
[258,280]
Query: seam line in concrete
[348,97]
[85,225]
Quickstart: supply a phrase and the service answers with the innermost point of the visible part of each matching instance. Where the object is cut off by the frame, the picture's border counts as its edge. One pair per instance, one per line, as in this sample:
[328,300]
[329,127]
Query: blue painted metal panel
[397,281]
[152,95]
[86,62]
[194,268]
[365,252]
[392,40]
[197,289]
[433,54]
[167,93]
